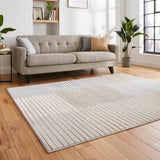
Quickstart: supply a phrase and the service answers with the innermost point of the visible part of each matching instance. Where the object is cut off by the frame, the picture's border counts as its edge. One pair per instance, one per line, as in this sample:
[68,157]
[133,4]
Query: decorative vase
[126,62]
[46,14]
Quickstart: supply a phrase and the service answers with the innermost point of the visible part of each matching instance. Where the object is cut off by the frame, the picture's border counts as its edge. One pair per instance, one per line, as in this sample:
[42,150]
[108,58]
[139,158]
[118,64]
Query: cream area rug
[64,114]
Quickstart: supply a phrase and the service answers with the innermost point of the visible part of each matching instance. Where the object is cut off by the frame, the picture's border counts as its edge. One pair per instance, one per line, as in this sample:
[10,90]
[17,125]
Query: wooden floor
[18,142]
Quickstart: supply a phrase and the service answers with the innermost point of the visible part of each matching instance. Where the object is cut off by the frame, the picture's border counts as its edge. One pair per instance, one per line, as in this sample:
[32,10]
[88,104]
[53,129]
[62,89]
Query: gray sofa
[60,53]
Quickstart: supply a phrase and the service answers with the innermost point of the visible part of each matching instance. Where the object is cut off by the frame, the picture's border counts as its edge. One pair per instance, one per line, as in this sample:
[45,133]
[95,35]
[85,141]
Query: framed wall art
[37,13]
[82,4]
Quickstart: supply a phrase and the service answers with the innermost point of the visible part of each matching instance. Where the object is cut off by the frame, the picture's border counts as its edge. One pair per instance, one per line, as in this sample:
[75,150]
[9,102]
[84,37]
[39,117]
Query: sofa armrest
[115,49]
[20,56]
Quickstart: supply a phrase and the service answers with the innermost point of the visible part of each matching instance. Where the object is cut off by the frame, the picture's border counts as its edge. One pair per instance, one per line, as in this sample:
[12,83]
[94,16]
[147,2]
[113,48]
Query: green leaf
[124,25]
[1,39]
[135,28]
[122,30]
[130,33]
[125,48]
[127,19]
[124,39]
[129,25]
[48,6]
[139,33]
[1,20]
[129,39]
[119,33]
[6,30]
[124,35]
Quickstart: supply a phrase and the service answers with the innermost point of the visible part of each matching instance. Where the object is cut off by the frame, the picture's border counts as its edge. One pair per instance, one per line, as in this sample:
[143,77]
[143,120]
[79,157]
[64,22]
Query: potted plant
[128,31]
[3,31]
[49,8]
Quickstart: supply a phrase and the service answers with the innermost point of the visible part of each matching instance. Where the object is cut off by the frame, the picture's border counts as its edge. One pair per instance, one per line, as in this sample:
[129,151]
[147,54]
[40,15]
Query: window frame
[154,28]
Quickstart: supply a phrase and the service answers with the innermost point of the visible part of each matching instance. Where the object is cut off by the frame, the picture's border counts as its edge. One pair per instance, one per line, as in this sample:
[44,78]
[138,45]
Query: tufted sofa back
[56,43]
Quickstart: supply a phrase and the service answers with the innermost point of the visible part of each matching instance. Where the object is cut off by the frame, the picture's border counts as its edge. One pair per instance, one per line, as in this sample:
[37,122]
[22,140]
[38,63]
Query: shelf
[45,21]
[47,0]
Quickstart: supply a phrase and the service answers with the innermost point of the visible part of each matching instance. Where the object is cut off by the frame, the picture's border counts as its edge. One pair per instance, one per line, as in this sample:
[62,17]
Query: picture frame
[80,4]
[37,13]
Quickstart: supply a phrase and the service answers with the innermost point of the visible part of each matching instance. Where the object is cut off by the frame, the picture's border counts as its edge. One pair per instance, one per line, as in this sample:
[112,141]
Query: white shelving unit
[45,26]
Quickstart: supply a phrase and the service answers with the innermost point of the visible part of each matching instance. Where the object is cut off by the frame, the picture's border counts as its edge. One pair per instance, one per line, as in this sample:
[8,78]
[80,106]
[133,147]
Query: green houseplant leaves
[127,33]
[1,20]
[48,6]
[4,30]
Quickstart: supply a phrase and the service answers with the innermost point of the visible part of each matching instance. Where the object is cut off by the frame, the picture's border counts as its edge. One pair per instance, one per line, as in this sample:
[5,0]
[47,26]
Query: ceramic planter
[126,62]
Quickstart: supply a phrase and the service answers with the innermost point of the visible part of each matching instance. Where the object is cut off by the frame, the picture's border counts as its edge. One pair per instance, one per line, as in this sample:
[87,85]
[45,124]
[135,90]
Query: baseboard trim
[146,63]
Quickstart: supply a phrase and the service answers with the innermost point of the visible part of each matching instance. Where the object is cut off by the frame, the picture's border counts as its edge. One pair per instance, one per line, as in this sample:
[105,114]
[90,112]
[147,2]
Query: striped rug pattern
[64,114]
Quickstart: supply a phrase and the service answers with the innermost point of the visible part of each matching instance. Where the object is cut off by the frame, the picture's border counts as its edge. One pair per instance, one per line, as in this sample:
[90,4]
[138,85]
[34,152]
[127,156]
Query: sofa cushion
[86,43]
[25,42]
[50,59]
[87,57]
[99,43]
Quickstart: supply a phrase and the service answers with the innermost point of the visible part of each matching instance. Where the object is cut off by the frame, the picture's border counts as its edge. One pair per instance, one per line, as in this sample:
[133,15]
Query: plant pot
[2,46]
[126,62]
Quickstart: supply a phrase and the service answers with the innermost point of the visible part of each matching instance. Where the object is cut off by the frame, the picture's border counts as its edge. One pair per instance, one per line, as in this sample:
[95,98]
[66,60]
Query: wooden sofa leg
[28,77]
[111,69]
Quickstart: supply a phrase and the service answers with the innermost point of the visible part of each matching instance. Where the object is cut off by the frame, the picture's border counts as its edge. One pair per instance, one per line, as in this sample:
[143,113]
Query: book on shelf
[52,15]
[57,13]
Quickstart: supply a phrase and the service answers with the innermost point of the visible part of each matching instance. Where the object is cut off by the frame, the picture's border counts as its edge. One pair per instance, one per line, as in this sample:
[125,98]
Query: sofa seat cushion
[87,57]
[50,59]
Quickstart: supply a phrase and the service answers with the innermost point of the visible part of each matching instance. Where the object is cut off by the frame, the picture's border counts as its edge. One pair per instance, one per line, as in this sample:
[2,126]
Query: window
[152,26]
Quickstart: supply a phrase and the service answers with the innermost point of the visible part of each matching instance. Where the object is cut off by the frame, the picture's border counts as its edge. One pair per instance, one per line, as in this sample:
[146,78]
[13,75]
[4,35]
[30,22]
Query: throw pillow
[86,44]
[99,43]
[26,43]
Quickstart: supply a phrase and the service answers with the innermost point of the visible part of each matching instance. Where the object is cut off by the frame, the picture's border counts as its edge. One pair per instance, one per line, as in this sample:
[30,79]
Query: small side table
[7,51]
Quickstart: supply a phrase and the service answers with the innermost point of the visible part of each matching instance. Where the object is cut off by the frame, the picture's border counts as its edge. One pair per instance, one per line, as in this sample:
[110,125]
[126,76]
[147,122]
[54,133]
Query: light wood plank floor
[18,142]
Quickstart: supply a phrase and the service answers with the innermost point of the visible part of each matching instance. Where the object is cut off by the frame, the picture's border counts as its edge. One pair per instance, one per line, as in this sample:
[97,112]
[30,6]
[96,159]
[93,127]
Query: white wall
[134,9]
[17,14]
[75,21]
[111,20]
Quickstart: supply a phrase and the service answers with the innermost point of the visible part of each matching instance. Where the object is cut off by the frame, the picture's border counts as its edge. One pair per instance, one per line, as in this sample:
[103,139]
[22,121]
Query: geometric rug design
[67,113]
